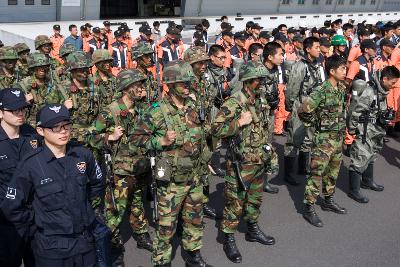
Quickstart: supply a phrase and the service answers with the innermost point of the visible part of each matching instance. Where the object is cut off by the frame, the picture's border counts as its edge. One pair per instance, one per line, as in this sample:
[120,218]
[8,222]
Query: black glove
[273,100]
[220,98]
[385,117]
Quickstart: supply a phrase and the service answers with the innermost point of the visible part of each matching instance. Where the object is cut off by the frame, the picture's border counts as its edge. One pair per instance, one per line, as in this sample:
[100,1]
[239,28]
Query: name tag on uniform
[46,180]
[3,157]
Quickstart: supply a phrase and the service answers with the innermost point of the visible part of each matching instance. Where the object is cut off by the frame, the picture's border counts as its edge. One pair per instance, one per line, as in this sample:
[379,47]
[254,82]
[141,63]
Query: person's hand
[116,135]
[29,98]
[245,119]
[169,138]
[68,103]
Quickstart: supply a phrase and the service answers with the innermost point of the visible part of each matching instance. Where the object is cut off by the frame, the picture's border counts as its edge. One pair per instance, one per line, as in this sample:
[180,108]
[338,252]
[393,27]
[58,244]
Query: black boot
[311,216]
[208,211]
[117,255]
[144,242]
[194,259]
[391,132]
[268,188]
[231,250]
[303,163]
[355,193]
[367,181]
[254,234]
[163,265]
[330,205]
[289,175]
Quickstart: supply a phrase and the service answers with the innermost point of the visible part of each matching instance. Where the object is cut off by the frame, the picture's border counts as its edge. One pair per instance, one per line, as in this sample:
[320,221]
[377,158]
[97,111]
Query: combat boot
[143,241]
[208,211]
[269,188]
[254,234]
[367,181]
[303,163]
[311,216]
[330,205]
[194,259]
[231,250]
[117,255]
[355,193]
[289,175]
[163,265]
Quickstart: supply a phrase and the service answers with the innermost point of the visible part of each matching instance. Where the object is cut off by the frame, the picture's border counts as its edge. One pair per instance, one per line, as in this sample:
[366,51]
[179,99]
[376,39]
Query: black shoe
[367,181]
[163,265]
[254,234]
[144,242]
[355,193]
[231,250]
[209,212]
[289,175]
[330,205]
[391,132]
[311,216]
[117,255]
[268,188]
[303,165]
[194,259]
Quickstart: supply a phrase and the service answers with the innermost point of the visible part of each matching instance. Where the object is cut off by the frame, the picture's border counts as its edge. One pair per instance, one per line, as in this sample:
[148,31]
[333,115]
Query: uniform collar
[49,156]
[24,130]
[3,134]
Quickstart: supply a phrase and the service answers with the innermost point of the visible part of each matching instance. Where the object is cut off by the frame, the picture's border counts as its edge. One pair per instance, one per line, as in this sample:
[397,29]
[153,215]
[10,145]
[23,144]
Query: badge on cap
[81,167]
[34,143]
[16,93]
[56,109]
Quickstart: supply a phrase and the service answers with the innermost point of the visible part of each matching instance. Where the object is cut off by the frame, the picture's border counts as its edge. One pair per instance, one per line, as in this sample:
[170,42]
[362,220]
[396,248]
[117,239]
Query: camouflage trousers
[299,137]
[238,201]
[128,194]
[326,158]
[174,198]
[361,155]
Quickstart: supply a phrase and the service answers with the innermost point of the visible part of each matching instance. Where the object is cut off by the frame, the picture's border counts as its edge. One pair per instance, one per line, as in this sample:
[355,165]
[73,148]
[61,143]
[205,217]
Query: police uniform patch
[81,166]
[34,143]
[99,174]
[11,193]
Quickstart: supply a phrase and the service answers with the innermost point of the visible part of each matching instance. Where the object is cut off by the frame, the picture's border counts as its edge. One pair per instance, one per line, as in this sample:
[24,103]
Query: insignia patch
[99,174]
[81,166]
[17,93]
[161,172]
[11,193]
[56,109]
[34,143]
[3,157]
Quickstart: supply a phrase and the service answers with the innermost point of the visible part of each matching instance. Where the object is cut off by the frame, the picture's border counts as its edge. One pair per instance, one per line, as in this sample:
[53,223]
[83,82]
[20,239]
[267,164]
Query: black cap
[281,37]
[298,38]
[386,42]
[56,27]
[83,28]
[198,35]
[106,23]
[50,115]
[292,30]
[368,44]
[265,34]
[12,99]
[240,36]
[145,29]
[249,24]
[88,25]
[118,33]
[324,30]
[173,30]
[228,33]
[314,30]
[226,26]
[362,31]
[257,26]
[324,41]
[96,30]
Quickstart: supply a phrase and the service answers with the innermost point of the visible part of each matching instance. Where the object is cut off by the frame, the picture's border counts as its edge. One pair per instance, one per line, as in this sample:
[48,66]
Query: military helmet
[8,52]
[128,77]
[338,40]
[42,40]
[21,47]
[140,49]
[251,70]
[66,49]
[177,71]
[100,55]
[37,59]
[195,54]
[78,60]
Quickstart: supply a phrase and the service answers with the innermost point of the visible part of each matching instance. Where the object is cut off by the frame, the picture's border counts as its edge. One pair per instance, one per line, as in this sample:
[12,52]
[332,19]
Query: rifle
[235,154]
[110,183]
[153,185]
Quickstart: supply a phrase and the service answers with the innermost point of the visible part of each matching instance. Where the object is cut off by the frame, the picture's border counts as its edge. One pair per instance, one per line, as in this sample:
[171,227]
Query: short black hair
[214,49]
[224,17]
[386,28]
[205,23]
[367,44]
[156,23]
[390,72]
[271,49]
[281,26]
[347,26]
[254,47]
[334,62]
[70,27]
[309,42]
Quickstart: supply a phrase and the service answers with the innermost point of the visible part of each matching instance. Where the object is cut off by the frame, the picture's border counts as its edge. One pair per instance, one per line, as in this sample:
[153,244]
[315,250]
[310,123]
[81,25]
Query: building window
[353,2]
[328,2]
[12,2]
[29,2]
[285,2]
[363,2]
[373,2]
[341,2]
[301,2]
[45,2]
[315,2]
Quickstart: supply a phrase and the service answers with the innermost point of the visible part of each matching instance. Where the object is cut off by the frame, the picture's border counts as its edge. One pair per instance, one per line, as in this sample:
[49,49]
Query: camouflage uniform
[108,86]
[22,67]
[30,86]
[54,63]
[128,181]
[86,102]
[7,53]
[62,70]
[180,189]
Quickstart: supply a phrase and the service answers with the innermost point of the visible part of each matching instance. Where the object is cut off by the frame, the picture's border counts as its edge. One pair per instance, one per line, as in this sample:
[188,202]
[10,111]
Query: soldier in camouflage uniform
[79,94]
[22,65]
[143,54]
[8,61]
[36,86]
[62,70]
[242,120]
[204,102]
[44,45]
[368,118]
[324,110]
[110,130]
[305,75]
[103,77]
[172,129]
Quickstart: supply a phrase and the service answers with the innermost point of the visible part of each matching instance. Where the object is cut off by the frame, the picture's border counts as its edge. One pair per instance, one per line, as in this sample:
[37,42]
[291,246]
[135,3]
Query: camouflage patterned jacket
[21,70]
[125,155]
[107,88]
[151,86]
[6,81]
[324,108]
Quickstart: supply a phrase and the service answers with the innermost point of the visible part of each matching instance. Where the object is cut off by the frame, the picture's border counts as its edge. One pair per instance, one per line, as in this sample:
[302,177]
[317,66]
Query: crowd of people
[91,123]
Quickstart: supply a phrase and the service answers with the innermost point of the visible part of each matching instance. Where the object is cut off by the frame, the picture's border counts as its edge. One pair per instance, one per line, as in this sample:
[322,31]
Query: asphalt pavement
[368,235]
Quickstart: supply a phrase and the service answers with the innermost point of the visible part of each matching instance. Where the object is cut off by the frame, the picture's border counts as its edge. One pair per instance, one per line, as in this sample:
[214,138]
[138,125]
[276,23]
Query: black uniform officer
[16,140]
[63,184]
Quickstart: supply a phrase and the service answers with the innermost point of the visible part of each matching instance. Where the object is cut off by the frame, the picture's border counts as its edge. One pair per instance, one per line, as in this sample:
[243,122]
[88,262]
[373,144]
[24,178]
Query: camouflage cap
[21,47]
[100,55]
[338,40]
[37,59]
[128,77]
[8,52]
[78,60]
[195,54]
[140,49]
[66,49]
[251,70]
[41,40]
[177,71]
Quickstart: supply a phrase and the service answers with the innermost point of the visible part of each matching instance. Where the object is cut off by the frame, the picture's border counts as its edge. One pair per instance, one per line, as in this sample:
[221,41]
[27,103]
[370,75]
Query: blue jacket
[76,42]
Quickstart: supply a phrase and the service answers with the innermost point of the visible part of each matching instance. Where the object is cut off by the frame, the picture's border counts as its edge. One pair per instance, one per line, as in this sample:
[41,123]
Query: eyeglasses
[56,129]
[17,111]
